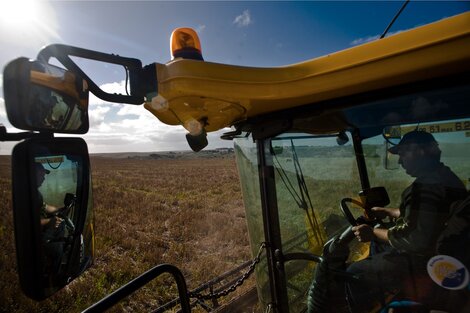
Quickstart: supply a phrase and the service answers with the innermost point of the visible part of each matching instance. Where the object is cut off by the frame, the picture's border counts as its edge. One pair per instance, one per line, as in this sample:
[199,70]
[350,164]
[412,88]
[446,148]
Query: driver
[53,227]
[402,251]
[47,221]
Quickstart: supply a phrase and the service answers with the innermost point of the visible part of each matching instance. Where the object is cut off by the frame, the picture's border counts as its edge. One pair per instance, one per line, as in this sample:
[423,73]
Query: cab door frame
[271,226]
[271,223]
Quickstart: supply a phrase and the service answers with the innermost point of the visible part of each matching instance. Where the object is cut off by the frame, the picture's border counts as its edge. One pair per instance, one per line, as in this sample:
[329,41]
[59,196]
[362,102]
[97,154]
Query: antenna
[394,19]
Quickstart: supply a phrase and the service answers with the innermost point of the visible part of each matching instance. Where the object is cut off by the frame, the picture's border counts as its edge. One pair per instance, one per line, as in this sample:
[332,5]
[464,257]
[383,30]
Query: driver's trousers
[382,275]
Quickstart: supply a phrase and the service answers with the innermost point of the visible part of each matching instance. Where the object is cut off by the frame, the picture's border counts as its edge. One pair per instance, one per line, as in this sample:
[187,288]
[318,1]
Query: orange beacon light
[185,44]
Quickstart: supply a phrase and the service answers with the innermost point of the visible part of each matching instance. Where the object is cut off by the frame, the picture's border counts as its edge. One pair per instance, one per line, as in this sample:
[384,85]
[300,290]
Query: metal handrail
[138,283]
[204,286]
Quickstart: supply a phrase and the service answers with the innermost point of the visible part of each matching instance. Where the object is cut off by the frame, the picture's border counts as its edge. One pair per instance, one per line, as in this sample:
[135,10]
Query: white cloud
[97,115]
[130,109]
[200,28]
[3,113]
[1,81]
[360,41]
[126,128]
[118,127]
[243,19]
[94,100]
[144,133]
[115,87]
[131,128]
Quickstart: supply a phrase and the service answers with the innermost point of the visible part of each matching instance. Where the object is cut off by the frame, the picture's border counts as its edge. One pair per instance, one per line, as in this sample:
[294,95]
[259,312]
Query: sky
[247,33]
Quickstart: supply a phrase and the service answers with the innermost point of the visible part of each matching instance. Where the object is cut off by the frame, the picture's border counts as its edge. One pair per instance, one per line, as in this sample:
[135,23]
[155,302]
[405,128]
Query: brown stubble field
[187,212]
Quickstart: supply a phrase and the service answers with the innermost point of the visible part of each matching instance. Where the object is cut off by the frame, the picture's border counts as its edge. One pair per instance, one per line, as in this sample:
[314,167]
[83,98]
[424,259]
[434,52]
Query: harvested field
[187,212]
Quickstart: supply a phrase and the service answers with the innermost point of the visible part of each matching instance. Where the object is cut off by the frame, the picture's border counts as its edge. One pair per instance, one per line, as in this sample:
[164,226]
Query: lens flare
[19,13]
[27,22]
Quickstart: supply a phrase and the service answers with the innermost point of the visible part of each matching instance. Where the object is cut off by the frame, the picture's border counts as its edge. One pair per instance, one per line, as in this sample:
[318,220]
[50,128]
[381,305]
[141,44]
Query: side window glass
[453,142]
[312,175]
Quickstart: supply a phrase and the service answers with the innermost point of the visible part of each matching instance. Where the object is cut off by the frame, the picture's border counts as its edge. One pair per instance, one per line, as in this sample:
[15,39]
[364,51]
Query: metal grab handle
[138,283]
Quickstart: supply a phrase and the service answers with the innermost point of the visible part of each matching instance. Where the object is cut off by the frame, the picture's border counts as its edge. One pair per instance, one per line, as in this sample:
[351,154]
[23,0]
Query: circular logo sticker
[448,272]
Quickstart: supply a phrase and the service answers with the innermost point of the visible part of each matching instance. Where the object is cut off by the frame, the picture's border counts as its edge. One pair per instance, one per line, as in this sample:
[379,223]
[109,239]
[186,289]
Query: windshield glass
[312,174]
[452,137]
[415,146]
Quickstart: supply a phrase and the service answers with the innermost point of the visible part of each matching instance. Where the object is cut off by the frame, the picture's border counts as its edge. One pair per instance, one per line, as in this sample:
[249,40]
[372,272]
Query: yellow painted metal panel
[223,94]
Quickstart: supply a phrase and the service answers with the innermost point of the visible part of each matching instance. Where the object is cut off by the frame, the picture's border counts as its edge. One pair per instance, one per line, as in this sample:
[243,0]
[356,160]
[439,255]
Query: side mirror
[53,215]
[390,160]
[392,136]
[43,97]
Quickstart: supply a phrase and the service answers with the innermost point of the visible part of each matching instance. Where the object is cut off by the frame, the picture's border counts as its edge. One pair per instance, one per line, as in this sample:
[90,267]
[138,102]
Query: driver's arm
[365,233]
[381,213]
[51,222]
[381,234]
[50,208]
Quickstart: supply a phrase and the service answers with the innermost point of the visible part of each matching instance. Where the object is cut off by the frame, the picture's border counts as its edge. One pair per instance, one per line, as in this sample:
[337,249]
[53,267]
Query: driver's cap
[39,167]
[414,137]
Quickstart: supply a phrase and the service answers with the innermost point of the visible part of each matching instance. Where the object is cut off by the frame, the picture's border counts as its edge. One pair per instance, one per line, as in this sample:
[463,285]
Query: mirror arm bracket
[5,136]
[63,52]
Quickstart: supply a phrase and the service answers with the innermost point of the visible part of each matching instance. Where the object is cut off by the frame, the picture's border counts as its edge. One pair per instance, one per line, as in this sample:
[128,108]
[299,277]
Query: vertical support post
[272,233]
[360,159]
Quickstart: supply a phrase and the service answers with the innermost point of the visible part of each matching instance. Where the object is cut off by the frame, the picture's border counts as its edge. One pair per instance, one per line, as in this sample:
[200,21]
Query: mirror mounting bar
[5,136]
[63,52]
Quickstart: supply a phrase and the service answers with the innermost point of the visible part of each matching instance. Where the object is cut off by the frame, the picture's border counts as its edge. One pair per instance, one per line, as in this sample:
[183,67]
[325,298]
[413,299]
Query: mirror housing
[43,97]
[392,136]
[53,215]
[390,160]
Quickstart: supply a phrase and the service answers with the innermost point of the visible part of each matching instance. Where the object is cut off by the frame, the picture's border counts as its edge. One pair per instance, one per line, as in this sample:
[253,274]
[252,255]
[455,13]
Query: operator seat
[454,241]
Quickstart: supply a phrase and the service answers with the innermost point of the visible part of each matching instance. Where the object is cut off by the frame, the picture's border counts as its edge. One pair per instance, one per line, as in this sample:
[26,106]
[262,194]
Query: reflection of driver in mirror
[47,220]
[53,110]
[399,252]
[64,113]
[58,111]
[52,226]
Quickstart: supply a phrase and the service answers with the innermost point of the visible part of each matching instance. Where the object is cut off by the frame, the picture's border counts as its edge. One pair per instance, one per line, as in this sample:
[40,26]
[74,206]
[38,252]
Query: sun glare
[27,22]
[19,13]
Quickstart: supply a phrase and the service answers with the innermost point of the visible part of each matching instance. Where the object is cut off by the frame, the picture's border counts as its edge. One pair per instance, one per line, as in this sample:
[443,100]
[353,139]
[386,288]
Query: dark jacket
[424,210]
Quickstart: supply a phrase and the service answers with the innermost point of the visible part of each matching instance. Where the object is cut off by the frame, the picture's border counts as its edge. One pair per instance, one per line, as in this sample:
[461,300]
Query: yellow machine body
[220,95]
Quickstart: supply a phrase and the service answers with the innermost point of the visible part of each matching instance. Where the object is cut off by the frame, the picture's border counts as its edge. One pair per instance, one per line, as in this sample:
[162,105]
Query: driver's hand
[364,233]
[55,222]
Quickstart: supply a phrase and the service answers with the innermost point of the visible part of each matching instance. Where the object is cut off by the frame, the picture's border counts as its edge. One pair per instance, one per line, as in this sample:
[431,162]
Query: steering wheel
[347,212]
